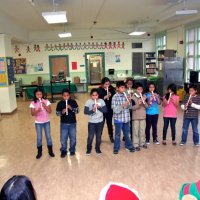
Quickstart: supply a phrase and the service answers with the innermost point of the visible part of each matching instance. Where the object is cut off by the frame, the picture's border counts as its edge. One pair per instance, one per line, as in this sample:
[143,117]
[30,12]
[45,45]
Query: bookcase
[150,63]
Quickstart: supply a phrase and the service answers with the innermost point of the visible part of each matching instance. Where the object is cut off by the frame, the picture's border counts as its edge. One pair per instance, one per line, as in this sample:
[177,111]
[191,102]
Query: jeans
[39,127]
[186,123]
[173,128]
[125,127]
[94,129]
[108,118]
[151,121]
[68,130]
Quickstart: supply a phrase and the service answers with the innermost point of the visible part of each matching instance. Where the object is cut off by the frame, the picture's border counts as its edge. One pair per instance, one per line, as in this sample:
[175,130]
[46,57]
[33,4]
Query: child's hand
[156,96]
[39,109]
[69,107]
[94,108]
[151,98]
[190,102]
[186,106]
[43,104]
[144,98]
[126,104]
[140,101]
[63,111]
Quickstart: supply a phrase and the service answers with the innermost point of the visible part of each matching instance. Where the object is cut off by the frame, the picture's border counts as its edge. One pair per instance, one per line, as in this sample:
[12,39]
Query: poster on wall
[10,70]
[20,65]
[3,75]
[117,58]
[74,65]
[35,68]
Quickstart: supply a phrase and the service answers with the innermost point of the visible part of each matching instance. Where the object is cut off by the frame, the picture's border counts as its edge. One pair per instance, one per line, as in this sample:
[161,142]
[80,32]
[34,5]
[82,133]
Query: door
[59,66]
[95,66]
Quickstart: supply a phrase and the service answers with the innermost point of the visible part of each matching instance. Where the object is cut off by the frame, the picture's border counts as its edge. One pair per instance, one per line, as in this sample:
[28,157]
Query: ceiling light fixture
[65,35]
[137,33]
[186,11]
[55,17]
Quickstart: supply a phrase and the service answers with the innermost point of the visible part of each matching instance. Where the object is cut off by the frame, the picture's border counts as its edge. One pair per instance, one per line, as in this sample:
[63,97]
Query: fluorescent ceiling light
[137,33]
[186,12]
[64,35]
[55,17]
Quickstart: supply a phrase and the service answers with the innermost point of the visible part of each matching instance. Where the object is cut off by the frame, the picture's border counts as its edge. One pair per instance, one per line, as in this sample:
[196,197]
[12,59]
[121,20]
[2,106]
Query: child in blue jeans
[121,106]
[94,108]
[67,109]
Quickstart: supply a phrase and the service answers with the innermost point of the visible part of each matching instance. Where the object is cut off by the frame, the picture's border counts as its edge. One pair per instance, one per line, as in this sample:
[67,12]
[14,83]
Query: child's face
[38,95]
[66,96]
[94,95]
[139,90]
[151,88]
[129,84]
[192,91]
[121,89]
[106,84]
[170,91]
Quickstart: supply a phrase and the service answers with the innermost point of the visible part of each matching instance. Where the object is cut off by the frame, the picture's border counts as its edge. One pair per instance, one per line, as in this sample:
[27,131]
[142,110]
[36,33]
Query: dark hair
[151,83]
[18,188]
[137,85]
[120,83]
[65,91]
[173,88]
[104,80]
[193,86]
[129,79]
[38,90]
[94,90]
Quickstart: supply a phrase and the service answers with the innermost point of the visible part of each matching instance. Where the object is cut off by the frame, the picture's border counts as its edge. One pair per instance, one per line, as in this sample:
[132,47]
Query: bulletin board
[3,74]
[20,65]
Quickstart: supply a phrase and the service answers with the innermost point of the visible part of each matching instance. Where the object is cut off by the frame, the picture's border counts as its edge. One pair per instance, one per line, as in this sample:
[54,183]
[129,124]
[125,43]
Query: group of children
[131,110]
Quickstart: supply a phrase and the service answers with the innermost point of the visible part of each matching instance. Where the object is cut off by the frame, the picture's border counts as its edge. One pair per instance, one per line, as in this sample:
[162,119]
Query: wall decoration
[28,49]
[74,65]
[20,66]
[17,49]
[3,75]
[117,58]
[10,70]
[36,47]
[35,68]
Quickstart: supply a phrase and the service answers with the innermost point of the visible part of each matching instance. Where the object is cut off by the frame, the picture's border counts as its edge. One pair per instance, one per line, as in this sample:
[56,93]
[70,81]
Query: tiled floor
[156,173]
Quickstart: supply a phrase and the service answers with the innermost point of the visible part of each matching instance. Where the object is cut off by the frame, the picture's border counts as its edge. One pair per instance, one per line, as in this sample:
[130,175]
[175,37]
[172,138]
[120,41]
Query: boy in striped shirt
[121,106]
[190,105]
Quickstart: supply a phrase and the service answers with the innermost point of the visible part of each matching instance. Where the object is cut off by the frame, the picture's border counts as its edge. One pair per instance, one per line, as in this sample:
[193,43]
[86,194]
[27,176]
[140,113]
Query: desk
[57,89]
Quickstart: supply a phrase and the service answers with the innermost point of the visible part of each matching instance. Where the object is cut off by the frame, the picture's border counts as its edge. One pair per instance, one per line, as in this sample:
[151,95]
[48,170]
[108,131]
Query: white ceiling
[115,18]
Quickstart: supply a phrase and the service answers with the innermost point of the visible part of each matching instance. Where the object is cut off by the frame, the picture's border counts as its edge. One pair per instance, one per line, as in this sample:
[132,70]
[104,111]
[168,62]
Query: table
[56,89]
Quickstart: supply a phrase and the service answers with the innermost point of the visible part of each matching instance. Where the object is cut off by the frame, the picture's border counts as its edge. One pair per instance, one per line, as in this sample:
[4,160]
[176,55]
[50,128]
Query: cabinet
[150,63]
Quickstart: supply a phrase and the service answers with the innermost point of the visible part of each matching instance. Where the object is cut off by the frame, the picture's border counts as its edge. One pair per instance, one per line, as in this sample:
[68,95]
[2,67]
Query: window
[161,42]
[193,48]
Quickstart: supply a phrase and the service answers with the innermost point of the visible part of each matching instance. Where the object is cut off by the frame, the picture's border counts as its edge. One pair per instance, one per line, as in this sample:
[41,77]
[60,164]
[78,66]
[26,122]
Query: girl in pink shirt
[40,108]
[170,105]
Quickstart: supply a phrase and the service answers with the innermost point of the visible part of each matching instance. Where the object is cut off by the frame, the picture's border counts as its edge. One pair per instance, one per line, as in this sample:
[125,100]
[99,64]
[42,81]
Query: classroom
[101,92]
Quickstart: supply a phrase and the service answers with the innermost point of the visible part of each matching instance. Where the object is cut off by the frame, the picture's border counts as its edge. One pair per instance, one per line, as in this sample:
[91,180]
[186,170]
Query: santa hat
[188,190]
[118,191]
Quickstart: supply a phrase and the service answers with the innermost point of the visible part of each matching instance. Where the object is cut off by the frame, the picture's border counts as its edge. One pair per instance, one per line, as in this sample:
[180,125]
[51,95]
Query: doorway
[59,67]
[95,67]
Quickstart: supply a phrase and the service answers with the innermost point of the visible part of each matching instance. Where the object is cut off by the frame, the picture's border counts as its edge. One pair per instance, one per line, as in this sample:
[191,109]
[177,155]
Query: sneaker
[147,142]
[63,154]
[144,146]
[197,145]
[174,143]
[88,152]
[115,152]
[131,149]
[182,143]
[98,152]
[164,142]
[72,153]
[137,148]
[156,142]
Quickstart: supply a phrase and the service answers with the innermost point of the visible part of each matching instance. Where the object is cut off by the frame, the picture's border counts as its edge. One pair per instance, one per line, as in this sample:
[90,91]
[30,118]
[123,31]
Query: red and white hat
[118,191]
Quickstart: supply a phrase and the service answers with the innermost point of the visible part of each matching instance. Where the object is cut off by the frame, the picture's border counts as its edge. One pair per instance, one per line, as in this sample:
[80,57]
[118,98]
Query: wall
[174,36]
[78,56]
